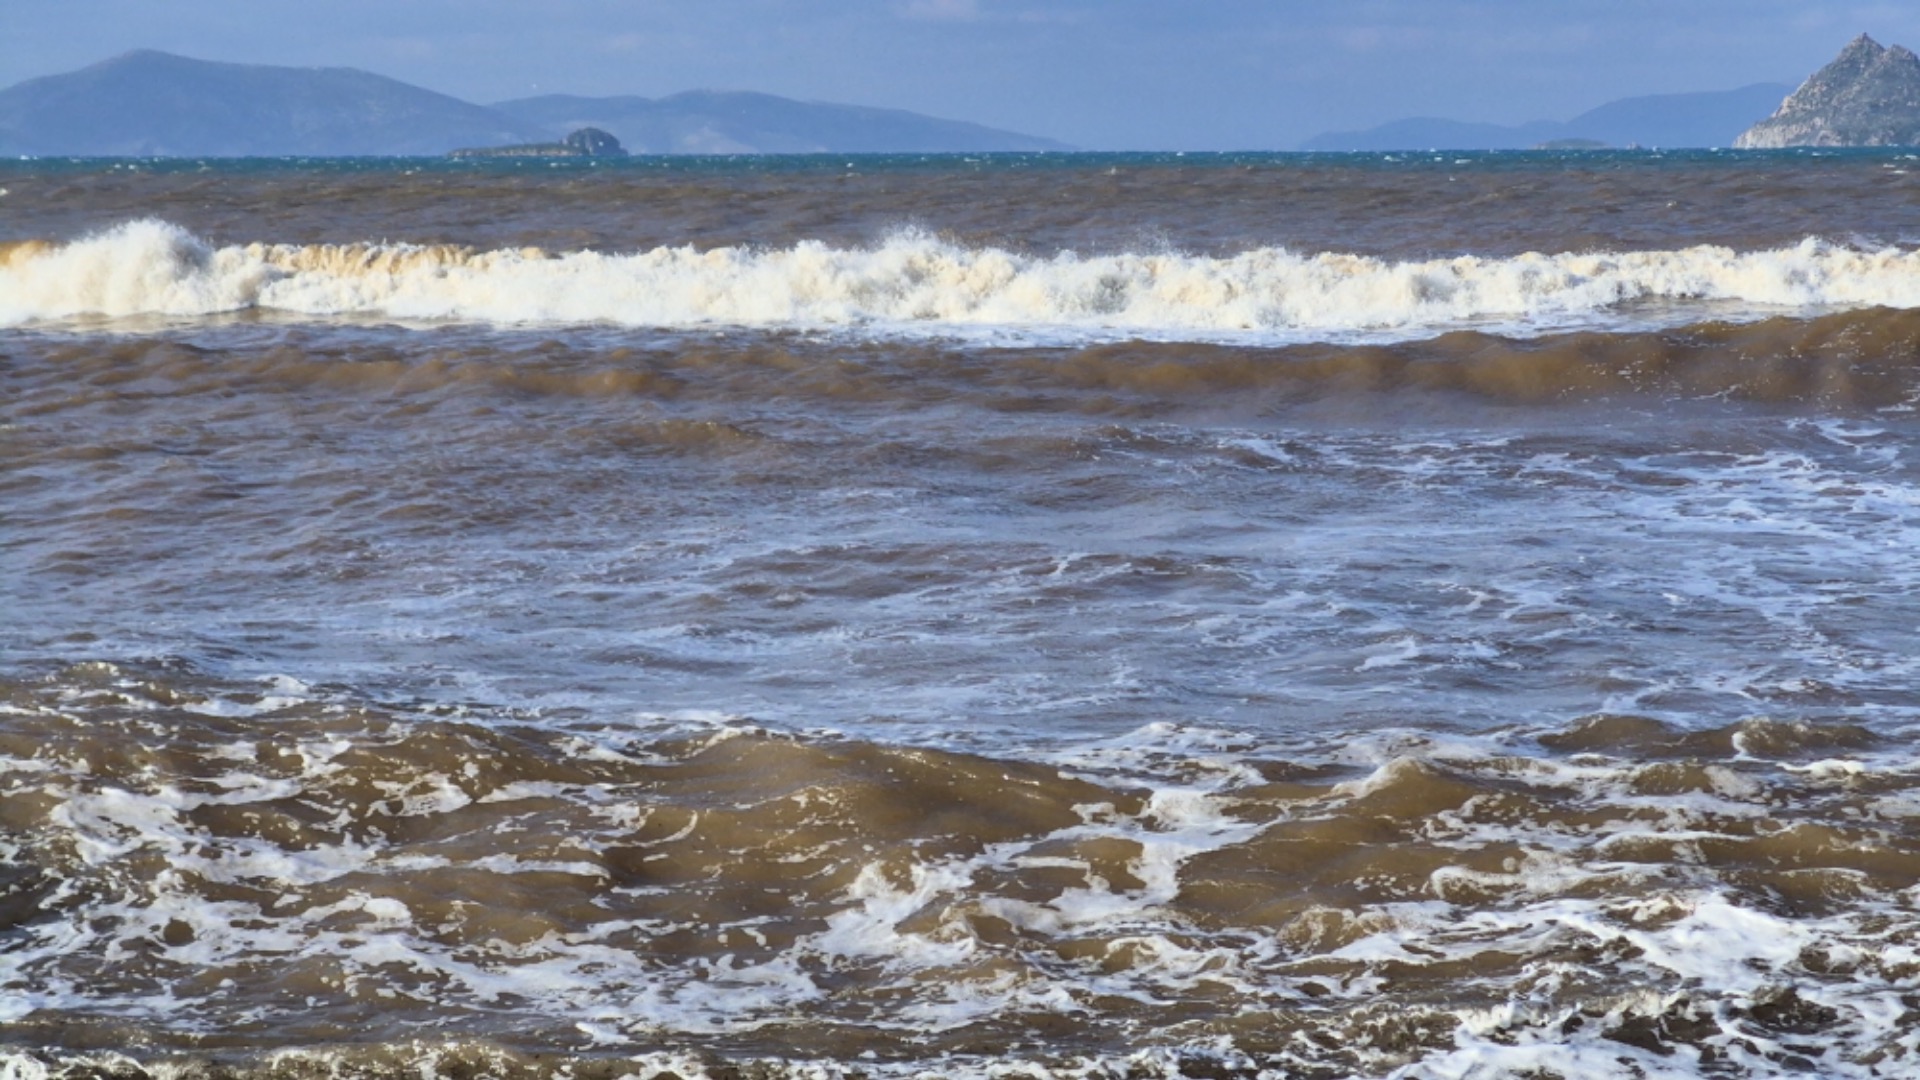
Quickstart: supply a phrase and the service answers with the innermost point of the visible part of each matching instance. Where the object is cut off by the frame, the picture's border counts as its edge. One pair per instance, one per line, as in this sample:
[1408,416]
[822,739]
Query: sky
[1100,74]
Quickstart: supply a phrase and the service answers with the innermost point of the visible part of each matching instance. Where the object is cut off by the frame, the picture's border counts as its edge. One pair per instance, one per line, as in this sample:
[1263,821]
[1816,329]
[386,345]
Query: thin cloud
[942,10]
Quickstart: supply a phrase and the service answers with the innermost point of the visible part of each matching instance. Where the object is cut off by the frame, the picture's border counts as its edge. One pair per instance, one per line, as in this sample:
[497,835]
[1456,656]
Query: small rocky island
[586,142]
[1868,96]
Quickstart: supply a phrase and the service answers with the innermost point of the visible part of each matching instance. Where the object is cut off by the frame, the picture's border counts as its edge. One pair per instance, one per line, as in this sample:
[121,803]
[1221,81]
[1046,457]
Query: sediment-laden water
[1089,616]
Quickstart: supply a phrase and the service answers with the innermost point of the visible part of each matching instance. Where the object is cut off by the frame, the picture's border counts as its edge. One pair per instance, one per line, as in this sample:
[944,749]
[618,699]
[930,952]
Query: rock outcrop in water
[586,142]
[1868,96]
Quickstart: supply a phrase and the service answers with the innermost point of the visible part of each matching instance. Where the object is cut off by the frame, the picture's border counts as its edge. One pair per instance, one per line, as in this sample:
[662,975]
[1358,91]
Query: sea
[996,617]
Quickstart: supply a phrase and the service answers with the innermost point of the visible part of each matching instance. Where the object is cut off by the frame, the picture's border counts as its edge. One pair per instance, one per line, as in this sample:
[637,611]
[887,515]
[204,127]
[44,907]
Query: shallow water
[1082,616]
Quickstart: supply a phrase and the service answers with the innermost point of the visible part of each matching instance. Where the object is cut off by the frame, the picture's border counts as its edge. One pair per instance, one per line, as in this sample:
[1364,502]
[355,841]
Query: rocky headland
[1868,96]
[586,142]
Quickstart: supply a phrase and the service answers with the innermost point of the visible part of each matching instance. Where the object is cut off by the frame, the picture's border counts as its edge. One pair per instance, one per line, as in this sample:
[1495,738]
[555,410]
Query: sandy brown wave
[349,260]
[20,252]
[1865,358]
[1855,360]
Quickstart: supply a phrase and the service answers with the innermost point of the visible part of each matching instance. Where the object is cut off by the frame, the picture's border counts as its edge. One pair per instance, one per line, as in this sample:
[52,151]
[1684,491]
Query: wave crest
[915,283]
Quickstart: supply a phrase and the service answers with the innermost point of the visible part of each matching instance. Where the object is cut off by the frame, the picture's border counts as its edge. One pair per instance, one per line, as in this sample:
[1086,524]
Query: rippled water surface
[1026,617]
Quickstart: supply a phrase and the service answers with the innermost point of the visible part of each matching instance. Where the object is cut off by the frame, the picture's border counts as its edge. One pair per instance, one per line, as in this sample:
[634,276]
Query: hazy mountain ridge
[723,122]
[148,103]
[1707,119]
[153,103]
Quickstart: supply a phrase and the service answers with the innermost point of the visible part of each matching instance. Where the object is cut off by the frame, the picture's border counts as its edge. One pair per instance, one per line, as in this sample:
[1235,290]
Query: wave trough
[917,284]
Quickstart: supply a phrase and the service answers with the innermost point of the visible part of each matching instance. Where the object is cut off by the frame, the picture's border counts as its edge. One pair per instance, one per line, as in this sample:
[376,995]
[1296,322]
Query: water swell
[1845,361]
[915,284]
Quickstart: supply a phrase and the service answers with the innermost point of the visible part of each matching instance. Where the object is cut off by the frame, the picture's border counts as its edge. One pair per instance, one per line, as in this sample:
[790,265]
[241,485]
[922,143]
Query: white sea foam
[914,283]
[1575,947]
[614,997]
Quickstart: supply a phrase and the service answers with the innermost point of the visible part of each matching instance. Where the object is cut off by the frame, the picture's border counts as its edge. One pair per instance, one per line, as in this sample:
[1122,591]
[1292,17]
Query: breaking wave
[914,283]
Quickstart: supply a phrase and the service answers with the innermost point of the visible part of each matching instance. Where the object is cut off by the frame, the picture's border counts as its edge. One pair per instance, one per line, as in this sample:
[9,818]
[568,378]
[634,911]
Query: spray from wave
[915,283]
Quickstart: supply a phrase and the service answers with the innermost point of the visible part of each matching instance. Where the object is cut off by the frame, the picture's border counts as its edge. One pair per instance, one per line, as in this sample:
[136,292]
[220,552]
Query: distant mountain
[156,104]
[1713,118]
[153,103]
[715,122]
[1868,96]
[1710,119]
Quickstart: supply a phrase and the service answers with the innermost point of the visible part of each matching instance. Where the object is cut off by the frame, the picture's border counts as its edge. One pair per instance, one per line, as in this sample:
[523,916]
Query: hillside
[154,103]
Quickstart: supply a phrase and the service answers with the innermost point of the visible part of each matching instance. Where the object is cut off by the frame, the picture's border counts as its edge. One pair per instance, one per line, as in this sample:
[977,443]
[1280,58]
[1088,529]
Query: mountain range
[1713,118]
[739,122]
[149,103]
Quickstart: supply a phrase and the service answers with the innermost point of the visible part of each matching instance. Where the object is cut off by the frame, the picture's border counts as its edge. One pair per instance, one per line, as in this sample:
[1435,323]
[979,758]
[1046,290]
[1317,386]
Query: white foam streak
[914,283]
[1476,1057]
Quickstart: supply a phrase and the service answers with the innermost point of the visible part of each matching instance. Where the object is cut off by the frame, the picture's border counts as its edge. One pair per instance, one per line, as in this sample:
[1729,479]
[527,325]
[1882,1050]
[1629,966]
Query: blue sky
[1103,74]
